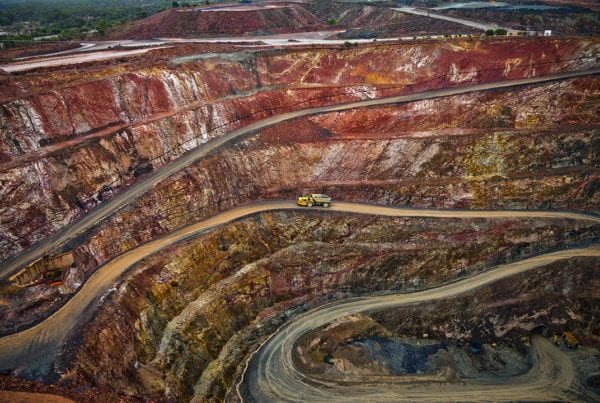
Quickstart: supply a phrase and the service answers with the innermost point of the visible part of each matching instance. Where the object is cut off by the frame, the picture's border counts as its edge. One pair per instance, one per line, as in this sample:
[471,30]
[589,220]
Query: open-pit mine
[152,247]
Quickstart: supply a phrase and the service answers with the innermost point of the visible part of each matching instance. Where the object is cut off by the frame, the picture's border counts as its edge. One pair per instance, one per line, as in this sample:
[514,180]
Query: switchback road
[271,375]
[72,58]
[462,21]
[35,347]
[52,243]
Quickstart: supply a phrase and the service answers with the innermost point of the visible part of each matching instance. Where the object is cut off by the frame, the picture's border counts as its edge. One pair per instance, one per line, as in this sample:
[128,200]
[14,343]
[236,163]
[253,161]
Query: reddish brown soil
[26,397]
[191,22]
[20,84]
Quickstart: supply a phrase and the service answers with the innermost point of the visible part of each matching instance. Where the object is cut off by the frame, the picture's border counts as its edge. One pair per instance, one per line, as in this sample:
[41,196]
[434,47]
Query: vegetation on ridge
[24,21]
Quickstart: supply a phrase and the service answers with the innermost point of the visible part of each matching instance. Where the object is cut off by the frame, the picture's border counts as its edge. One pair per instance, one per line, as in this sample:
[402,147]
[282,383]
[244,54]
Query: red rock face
[425,66]
[191,22]
[528,147]
[75,143]
[58,123]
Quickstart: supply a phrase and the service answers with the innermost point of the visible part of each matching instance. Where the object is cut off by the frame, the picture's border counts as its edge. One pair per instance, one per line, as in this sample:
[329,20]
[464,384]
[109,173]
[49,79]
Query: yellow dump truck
[315,199]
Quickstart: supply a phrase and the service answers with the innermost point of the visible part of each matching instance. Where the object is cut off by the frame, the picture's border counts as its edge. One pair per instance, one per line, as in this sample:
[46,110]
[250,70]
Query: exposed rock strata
[68,148]
[420,154]
[488,168]
[180,323]
[185,310]
[562,296]
[555,298]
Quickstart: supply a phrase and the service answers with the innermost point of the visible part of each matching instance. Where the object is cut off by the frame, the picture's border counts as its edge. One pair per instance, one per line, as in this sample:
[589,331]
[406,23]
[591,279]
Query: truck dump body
[321,197]
[315,199]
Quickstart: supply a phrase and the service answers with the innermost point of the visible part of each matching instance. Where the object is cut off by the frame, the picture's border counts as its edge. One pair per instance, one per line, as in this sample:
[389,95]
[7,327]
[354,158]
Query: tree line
[25,20]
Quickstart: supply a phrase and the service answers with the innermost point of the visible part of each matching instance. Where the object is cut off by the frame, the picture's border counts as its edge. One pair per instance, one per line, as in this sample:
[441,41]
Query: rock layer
[215,21]
[66,149]
[180,323]
[187,317]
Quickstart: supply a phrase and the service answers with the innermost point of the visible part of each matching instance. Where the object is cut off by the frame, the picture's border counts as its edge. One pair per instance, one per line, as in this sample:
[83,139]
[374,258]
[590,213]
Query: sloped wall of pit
[185,319]
[68,143]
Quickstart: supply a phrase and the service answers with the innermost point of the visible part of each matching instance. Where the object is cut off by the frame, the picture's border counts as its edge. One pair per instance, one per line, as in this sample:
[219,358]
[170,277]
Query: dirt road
[35,347]
[61,60]
[462,21]
[25,397]
[95,216]
[271,375]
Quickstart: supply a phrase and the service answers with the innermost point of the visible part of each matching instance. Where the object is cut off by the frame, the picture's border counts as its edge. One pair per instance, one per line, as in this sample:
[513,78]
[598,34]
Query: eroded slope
[67,148]
[182,322]
[187,317]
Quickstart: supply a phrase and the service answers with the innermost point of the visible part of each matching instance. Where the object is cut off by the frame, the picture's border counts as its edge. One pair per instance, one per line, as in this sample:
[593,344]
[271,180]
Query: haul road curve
[34,349]
[60,238]
[271,374]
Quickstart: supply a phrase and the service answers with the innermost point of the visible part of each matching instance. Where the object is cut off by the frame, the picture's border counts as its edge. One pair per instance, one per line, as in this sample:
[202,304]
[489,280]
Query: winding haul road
[34,349]
[60,238]
[462,21]
[271,375]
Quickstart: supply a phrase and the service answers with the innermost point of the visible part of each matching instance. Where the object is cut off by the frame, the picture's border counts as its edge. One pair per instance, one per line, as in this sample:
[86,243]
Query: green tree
[14,41]
[101,27]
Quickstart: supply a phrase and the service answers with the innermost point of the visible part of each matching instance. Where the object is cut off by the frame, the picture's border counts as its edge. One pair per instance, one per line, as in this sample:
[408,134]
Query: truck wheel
[309,204]
[325,204]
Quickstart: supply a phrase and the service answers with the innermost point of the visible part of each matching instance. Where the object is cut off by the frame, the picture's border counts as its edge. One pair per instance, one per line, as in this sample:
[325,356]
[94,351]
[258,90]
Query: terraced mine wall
[181,322]
[69,142]
[455,168]
[184,320]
